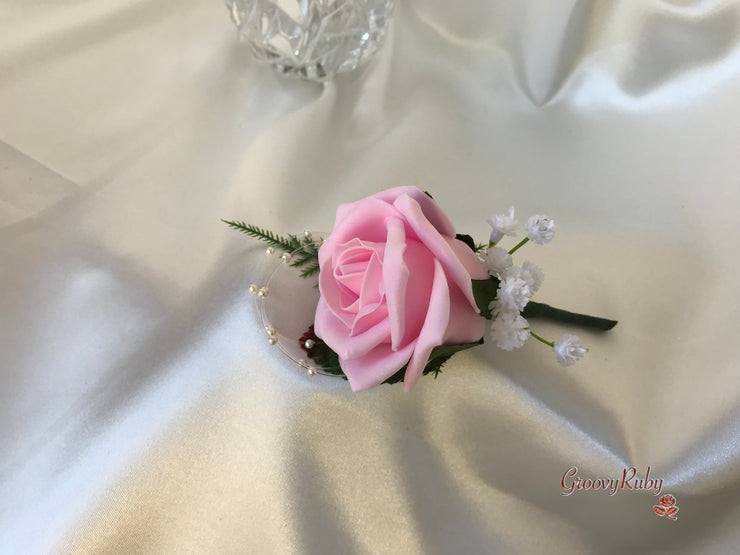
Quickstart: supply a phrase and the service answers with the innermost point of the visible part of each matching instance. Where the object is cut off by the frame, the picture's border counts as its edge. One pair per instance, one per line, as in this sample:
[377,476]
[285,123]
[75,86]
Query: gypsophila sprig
[533,275]
[503,224]
[397,282]
[507,298]
[509,330]
[513,291]
[529,273]
[540,229]
[569,349]
[497,261]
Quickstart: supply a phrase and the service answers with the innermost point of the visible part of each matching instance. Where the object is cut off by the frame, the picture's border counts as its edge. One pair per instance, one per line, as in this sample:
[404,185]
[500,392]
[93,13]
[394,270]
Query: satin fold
[142,409]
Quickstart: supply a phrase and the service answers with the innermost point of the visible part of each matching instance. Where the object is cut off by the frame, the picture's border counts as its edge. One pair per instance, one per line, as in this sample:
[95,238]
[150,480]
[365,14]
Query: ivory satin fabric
[141,408]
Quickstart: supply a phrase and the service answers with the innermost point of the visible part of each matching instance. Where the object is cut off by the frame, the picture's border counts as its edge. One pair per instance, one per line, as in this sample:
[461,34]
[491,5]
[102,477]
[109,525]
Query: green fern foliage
[304,251]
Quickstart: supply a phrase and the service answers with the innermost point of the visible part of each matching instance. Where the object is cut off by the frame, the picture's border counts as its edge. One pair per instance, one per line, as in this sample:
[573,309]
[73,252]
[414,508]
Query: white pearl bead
[309,344]
[307,234]
[263,292]
[253,289]
[269,251]
[270,330]
[272,341]
[285,258]
[311,371]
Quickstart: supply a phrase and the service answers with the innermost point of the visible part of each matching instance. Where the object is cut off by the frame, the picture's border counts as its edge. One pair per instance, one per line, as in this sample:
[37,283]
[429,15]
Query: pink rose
[395,284]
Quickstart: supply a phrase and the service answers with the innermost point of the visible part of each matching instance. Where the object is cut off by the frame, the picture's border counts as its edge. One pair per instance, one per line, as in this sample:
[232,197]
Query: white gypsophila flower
[513,292]
[540,229]
[569,349]
[530,273]
[496,309]
[497,260]
[503,224]
[509,330]
[536,275]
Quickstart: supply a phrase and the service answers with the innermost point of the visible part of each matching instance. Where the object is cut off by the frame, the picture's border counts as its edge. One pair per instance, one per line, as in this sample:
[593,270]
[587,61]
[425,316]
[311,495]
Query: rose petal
[419,290]
[368,317]
[438,245]
[352,285]
[472,264]
[339,300]
[364,219]
[333,331]
[465,326]
[395,279]
[372,306]
[431,209]
[433,332]
[376,366]
[372,291]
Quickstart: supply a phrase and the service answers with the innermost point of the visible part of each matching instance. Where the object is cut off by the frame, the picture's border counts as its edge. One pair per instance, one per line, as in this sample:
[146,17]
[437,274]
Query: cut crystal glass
[313,39]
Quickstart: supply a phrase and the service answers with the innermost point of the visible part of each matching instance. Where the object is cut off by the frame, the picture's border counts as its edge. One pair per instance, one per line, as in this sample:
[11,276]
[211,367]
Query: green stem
[519,245]
[538,338]
[541,310]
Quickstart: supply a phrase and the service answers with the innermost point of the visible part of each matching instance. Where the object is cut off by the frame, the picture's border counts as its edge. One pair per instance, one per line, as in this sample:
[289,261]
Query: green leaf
[435,366]
[484,291]
[440,355]
[437,358]
[288,244]
[310,270]
[449,350]
[304,252]
[397,377]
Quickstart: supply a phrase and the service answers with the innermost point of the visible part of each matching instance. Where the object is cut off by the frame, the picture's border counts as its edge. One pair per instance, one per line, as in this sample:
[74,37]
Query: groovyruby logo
[631,480]
[667,507]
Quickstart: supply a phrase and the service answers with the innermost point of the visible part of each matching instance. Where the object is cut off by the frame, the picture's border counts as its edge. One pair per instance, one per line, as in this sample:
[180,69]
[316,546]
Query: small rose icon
[667,507]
